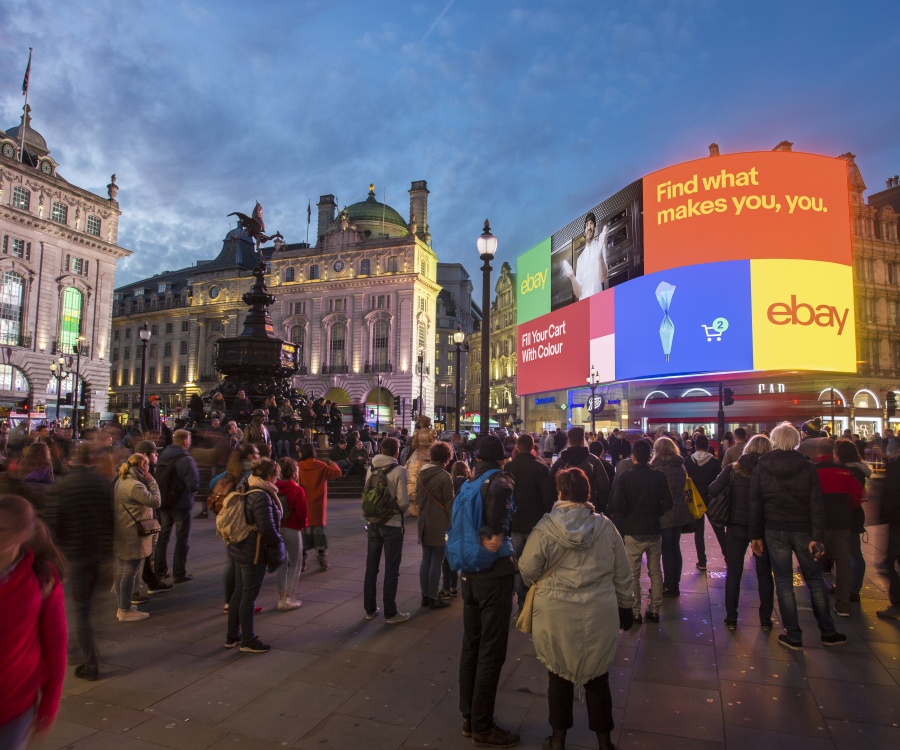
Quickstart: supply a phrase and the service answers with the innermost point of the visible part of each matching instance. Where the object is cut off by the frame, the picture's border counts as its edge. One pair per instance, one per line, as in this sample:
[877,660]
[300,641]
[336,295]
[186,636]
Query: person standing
[737,450]
[667,459]
[258,434]
[787,515]
[422,440]
[641,497]
[296,518]
[155,584]
[435,492]
[579,455]
[580,607]
[386,537]
[241,408]
[178,479]
[487,604]
[313,476]
[703,467]
[79,512]
[890,514]
[535,496]
[150,418]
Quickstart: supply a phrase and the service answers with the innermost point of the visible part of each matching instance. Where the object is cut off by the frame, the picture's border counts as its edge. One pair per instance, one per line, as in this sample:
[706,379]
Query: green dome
[371,211]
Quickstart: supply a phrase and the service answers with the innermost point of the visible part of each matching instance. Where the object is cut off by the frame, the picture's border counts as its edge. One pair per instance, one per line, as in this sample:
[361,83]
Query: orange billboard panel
[754,205]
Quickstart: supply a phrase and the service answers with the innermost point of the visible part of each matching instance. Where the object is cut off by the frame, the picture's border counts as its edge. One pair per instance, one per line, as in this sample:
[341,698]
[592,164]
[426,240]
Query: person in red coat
[296,518]
[33,623]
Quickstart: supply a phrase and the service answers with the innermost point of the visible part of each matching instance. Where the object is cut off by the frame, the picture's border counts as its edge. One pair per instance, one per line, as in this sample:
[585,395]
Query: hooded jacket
[738,475]
[397,485]
[673,468]
[703,468]
[582,458]
[785,495]
[640,499]
[841,493]
[576,619]
[262,510]
[434,488]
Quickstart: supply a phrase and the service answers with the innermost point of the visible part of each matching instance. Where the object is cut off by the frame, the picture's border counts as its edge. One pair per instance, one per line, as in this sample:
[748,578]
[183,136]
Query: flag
[308,212]
[27,75]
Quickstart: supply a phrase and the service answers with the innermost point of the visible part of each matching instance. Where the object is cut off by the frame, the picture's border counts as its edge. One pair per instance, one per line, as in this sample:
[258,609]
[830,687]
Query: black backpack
[170,483]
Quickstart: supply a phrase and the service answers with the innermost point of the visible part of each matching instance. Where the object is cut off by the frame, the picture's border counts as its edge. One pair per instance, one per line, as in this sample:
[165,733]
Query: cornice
[57,182]
[53,229]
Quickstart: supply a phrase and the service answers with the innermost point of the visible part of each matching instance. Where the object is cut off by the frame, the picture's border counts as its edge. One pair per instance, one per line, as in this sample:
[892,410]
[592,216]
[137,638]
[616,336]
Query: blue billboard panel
[685,320]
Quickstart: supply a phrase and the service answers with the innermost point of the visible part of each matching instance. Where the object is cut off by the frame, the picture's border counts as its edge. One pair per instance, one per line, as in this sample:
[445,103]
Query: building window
[313,272]
[127,333]
[11,299]
[183,348]
[168,328]
[151,374]
[13,379]
[59,212]
[338,341]
[70,325]
[873,309]
[127,353]
[115,354]
[153,350]
[299,308]
[381,332]
[449,370]
[167,349]
[185,326]
[19,249]
[392,264]
[895,354]
[365,267]
[21,198]
[167,374]
[298,336]
[154,330]
[116,335]
[92,225]
[423,267]
[892,312]
[289,274]
[421,336]
[182,374]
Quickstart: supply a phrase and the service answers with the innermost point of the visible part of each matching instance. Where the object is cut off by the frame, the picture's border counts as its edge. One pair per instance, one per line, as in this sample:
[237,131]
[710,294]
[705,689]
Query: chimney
[326,206]
[418,206]
[896,180]
[784,146]
[889,182]
[713,149]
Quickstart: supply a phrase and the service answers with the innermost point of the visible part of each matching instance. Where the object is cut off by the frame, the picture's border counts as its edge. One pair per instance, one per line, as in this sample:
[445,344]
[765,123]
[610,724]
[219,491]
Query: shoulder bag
[146,526]
[523,621]
[718,510]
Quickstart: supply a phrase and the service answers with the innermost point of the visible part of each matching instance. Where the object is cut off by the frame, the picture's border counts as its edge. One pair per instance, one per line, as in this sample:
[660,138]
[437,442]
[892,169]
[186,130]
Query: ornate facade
[57,269]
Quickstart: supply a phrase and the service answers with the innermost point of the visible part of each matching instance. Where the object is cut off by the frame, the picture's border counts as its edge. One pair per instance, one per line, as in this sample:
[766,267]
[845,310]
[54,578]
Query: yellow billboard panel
[803,317]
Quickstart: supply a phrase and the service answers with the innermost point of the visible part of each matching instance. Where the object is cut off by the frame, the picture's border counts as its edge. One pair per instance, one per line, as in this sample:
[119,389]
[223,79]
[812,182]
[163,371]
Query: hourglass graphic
[664,294]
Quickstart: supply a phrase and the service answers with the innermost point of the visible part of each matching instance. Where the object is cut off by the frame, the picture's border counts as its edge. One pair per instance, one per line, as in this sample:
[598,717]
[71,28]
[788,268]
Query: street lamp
[421,380]
[487,246]
[458,338]
[378,409]
[446,386]
[593,381]
[58,371]
[145,334]
[78,345]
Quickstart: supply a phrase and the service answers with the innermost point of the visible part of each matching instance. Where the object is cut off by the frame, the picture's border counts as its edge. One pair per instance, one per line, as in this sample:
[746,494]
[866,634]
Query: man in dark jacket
[79,512]
[641,496]
[487,607]
[241,408]
[579,456]
[535,495]
[890,513]
[150,415]
[703,467]
[786,505]
[559,441]
[178,479]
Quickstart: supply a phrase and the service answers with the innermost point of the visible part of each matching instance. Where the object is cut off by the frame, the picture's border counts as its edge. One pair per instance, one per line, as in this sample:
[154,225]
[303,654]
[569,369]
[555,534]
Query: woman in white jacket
[580,606]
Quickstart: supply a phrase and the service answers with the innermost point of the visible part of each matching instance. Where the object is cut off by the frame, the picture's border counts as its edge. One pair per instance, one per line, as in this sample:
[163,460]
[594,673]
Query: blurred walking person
[313,476]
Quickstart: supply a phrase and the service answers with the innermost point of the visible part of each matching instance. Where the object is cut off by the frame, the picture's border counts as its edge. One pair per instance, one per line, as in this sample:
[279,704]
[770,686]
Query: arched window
[13,379]
[70,325]
[12,291]
[337,345]
[298,336]
[381,332]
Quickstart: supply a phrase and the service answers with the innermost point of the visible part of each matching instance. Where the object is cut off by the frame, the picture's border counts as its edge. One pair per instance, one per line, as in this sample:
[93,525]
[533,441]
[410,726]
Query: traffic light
[396,404]
[415,405]
[729,397]
[23,406]
[890,401]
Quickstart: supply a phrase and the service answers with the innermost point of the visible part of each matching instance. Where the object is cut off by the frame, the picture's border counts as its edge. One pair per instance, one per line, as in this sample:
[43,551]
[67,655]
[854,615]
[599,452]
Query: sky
[521,111]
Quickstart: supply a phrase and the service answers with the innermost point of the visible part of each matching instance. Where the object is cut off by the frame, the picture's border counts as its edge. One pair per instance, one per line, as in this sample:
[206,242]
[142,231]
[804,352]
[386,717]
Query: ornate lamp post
[58,371]
[593,382]
[378,409]
[487,246]
[458,338]
[78,345]
[421,381]
[145,334]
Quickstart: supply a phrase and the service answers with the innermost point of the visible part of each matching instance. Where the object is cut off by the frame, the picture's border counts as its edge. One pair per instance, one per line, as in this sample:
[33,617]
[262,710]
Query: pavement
[335,681]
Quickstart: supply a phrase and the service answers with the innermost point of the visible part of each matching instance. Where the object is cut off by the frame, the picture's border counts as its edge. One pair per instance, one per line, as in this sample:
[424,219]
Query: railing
[11,339]
[335,369]
[58,348]
[209,377]
[382,367]
[301,370]
[418,369]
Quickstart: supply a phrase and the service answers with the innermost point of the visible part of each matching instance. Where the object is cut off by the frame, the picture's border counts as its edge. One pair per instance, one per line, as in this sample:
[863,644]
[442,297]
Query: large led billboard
[728,264]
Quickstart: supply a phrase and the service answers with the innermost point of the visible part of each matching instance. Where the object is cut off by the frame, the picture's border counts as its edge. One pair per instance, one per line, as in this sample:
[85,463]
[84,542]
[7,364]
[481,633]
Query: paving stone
[177,734]
[682,664]
[786,673]
[745,738]
[339,732]
[395,699]
[210,701]
[684,712]
[848,735]
[792,710]
[65,734]
[99,715]
[858,702]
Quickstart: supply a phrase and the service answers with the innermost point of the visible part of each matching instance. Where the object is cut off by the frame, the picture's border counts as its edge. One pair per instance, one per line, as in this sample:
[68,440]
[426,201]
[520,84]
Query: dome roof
[33,139]
[371,211]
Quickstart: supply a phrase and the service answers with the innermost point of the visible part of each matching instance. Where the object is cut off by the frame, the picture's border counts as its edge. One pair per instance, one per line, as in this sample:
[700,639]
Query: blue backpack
[464,551]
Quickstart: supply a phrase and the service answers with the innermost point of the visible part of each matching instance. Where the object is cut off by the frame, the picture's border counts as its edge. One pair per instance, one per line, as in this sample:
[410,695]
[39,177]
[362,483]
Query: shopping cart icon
[715,331]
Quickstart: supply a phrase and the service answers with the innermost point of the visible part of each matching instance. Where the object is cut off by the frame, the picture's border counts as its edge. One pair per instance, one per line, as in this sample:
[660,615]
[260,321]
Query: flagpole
[383,209]
[24,109]
[308,219]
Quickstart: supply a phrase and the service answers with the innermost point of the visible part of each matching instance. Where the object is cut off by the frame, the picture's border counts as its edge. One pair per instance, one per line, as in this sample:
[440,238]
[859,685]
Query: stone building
[57,269]
[361,305]
[455,312]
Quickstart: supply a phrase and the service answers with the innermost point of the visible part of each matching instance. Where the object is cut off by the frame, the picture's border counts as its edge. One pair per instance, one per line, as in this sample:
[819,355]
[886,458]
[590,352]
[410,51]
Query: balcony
[379,367]
[59,349]
[335,369]
[14,339]
[301,370]
[418,369]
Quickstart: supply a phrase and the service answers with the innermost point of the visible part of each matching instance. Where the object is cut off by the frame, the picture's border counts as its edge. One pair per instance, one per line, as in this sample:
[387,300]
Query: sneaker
[184,579]
[788,643]
[138,598]
[439,604]
[373,615]
[84,672]
[467,728]
[671,593]
[766,626]
[255,646]
[285,605]
[638,619]
[426,601]
[131,615]
[731,625]
[399,617]
[701,566]
[841,611]
[651,616]
[891,613]
[159,588]
[445,594]
[835,639]
[495,737]
[232,642]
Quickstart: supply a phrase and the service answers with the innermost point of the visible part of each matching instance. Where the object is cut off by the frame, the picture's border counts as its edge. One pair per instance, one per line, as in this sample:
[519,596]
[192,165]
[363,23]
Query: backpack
[231,523]
[169,482]
[378,504]
[464,551]
[217,497]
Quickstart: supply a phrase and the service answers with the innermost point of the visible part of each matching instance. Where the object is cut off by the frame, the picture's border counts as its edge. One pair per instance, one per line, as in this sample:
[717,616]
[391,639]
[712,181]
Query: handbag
[694,499]
[719,508]
[523,621]
[145,526]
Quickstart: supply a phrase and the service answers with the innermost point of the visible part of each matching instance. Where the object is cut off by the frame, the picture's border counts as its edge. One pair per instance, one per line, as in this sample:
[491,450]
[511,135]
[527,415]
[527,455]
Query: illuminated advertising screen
[727,264]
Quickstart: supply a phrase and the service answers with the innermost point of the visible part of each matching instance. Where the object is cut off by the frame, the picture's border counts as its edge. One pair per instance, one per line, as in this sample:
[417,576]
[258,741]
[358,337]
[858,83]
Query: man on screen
[590,276]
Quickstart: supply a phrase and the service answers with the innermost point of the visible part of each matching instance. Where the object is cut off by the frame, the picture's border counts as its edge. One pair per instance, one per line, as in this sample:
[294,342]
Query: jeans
[518,541]
[126,575]
[837,545]
[181,520]
[289,571]
[857,564]
[451,577]
[229,577]
[430,570]
[561,694]
[671,558]
[487,608]
[700,538]
[283,449]
[737,538]
[14,734]
[782,545]
[83,578]
[248,581]
[390,540]
[635,550]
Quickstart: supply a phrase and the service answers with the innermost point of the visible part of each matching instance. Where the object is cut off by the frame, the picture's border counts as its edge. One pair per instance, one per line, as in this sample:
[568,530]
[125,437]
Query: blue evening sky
[526,112]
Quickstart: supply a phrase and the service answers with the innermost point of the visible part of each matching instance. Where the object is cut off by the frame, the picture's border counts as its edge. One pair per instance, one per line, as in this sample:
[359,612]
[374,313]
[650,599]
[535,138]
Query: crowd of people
[571,533]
